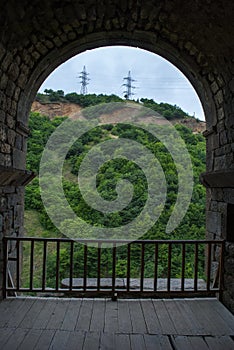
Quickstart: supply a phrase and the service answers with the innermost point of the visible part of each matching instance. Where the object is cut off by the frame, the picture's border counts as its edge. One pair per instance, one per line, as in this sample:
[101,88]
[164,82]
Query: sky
[155,78]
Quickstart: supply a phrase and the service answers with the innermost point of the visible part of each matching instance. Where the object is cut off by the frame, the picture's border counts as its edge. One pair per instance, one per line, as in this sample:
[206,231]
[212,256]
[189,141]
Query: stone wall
[196,36]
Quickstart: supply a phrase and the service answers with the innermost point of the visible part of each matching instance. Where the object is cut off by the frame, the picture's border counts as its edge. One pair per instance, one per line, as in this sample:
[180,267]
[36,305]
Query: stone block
[10,121]
[13,71]
[229,267]
[71,35]
[220,163]
[18,217]
[209,160]
[19,161]
[230,250]
[17,93]
[220,113]
[2,51]
[214,206]
[3,81]
[57,41]
[2,159]
[11,137]
[5,148]
[2,101]
[223,137]
[223,162]
[217,194]
[219,98]
[228,195]
[7,160]
[2,116]
[49,44]
[42,49]
[8,59]
[3,134]
[214,87]
[1,223]
[213,141]
[223,150]
[18,141]
[22,80]
[213,222]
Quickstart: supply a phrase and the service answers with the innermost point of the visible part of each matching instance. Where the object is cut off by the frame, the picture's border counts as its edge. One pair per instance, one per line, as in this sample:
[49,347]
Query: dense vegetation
[192,226]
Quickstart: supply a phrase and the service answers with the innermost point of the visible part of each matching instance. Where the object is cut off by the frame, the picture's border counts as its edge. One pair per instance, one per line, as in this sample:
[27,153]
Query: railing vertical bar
[208,267]
[113,267]
[183,266]
[169,268]
[71,265]
[85,267]
[5,268]
[155,267]
[128,266]
[18,265]
[221,265]
[31,265]
[142,266]
[44,265]
[195,265]
[57,266]
[99,266]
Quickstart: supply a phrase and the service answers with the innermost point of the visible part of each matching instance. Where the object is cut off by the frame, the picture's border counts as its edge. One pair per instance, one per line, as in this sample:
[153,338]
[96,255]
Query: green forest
[37,221]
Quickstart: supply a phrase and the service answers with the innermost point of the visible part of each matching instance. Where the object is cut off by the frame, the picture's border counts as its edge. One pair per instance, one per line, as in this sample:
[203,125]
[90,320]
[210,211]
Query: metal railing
[116,268]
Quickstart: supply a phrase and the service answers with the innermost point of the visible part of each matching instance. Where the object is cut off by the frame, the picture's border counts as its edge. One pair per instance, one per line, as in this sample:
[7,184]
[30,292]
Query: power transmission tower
[84,81]
[128,92]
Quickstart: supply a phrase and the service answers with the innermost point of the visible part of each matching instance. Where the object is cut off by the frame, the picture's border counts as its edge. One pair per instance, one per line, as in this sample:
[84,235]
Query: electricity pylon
[128,92]
[84,81]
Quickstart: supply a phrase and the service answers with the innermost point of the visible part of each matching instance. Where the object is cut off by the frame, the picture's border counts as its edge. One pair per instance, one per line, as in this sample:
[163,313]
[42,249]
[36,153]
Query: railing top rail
[115,241]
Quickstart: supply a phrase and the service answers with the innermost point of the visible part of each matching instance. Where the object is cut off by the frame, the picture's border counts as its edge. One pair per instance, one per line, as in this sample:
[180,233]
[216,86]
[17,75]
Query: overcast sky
[155,77]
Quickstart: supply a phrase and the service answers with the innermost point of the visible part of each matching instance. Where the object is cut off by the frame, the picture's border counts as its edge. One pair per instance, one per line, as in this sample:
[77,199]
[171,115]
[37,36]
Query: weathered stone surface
[228,195]
[213,222]
[19,161]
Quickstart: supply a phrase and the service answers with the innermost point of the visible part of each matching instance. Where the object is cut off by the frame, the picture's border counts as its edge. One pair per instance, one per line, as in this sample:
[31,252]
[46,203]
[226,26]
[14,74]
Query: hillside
[73,111]
[109,175]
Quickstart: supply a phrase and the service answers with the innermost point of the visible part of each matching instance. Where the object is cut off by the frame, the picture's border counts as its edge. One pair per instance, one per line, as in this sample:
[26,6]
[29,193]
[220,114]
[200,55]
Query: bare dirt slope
[73,111]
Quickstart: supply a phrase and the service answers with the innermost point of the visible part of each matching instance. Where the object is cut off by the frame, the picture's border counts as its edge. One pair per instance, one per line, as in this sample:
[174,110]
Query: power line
[84,81]
[128,92]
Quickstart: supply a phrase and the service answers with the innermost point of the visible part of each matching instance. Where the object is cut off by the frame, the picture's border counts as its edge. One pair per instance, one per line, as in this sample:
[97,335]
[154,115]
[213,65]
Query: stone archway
[197,37]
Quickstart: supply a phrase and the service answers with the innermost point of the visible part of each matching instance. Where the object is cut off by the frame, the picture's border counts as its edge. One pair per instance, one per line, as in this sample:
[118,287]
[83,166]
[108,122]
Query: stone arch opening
[56,57]
[50,67]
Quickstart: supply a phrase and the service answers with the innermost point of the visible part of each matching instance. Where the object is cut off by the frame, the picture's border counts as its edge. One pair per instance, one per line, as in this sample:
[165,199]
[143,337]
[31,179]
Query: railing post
[5,254]
[71,265]
[114,294]
[44,265]
[128,267]
[99,267]
[221,270]
[208,267]
[85,267]
[169,268]
[155,266]
[195,266]
[18,264]
[183,267]
[142,266]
